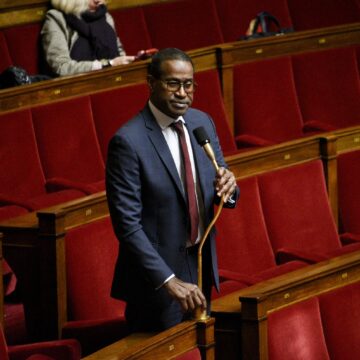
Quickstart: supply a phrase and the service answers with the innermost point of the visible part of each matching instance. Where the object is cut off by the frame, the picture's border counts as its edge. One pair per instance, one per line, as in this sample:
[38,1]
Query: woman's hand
[122,60]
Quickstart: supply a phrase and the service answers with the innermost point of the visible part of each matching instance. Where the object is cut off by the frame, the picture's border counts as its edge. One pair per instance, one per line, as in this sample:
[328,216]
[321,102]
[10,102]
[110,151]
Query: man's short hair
[154,67]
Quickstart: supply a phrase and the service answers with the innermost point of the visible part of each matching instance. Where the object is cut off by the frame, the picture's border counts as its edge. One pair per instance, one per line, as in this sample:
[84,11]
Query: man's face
[166,94]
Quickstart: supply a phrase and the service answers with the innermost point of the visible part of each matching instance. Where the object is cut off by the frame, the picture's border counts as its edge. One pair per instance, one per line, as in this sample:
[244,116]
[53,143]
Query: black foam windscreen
[201,136]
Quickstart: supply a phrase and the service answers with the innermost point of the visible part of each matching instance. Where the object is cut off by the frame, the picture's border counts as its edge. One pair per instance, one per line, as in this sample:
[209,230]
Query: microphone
[203,140]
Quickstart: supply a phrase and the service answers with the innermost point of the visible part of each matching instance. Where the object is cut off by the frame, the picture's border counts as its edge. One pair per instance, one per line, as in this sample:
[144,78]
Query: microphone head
[201,136]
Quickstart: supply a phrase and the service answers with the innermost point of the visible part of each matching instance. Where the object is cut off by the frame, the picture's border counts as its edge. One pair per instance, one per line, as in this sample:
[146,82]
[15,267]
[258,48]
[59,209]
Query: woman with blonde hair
[80,36]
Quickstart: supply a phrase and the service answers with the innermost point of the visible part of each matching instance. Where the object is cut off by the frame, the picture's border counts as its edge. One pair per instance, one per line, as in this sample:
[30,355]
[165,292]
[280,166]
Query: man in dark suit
[151,200]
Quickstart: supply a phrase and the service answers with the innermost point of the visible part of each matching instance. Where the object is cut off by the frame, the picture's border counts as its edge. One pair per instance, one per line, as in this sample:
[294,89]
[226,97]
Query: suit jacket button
[182,248]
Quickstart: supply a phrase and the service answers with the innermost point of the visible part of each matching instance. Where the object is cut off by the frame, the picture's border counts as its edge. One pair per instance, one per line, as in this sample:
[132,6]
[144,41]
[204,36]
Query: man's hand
[188,295]
[225,183]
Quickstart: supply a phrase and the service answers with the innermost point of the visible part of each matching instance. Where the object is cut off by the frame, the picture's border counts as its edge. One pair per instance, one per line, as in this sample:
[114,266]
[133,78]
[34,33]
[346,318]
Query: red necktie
[190,184]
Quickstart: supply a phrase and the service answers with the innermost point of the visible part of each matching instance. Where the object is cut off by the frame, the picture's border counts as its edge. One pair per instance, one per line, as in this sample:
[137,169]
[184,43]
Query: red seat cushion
[9,211]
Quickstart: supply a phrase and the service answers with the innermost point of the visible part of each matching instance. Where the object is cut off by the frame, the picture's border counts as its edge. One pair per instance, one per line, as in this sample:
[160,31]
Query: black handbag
[14,76]
[265,24]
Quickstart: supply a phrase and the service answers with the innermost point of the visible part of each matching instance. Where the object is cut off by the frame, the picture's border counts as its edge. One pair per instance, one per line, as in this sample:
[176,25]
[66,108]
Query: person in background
[161,196]
[80,36]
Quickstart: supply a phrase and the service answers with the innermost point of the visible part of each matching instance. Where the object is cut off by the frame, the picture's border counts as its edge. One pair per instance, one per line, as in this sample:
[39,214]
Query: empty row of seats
[289,97]
[282,222]
[221,21]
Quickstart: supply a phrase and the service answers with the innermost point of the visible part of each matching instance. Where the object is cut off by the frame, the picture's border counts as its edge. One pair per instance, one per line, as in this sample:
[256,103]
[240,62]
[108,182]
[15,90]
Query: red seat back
[91,252]
[349,191]
[3,346]
[265,100]
[322,13]
[328,86]
[132,29]
[113,108]
[296,332]
[235,15]
[340,313]
[242,240]
[66,137]
[5,60]
[177,24]
[24,46]
[19,157]
[296,209]
[208,98]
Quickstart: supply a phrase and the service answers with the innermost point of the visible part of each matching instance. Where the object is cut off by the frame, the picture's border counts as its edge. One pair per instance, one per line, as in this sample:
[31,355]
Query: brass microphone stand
[198,313]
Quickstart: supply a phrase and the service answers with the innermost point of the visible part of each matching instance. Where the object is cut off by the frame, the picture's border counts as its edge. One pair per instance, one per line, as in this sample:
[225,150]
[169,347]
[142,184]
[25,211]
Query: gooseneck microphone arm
[204,141]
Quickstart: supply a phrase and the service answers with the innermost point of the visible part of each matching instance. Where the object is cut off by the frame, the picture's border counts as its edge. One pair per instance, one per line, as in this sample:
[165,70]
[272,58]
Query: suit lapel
[157,139]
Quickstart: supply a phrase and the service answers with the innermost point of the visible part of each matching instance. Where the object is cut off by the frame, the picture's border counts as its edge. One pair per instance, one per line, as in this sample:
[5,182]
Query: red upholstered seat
[24,46]
[340,313]
[132,29]
[244,249]
[349,191]
[5,60]
[235,15]
[296,332]
[298,215]
[208,98]
[95,318]
[176,24]
[193,354]
[266,109]
[19,160]
[9,211]
[113,108]
[328,88]
[50,350]
[322,13]
[69,151]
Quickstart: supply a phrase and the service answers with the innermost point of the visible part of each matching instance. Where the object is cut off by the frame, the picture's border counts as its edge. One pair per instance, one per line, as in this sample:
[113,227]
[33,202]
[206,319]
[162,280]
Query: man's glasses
[174,85]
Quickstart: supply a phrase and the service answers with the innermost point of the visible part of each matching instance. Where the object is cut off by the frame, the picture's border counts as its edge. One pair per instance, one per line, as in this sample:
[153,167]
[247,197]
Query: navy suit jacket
[147,204]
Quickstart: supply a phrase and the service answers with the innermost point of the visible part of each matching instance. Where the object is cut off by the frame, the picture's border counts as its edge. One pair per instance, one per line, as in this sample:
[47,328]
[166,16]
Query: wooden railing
[166,345]
[241,317]
[221,56]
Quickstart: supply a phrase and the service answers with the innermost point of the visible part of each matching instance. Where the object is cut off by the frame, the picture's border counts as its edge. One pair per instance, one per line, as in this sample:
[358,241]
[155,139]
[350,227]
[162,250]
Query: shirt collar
[162,119]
